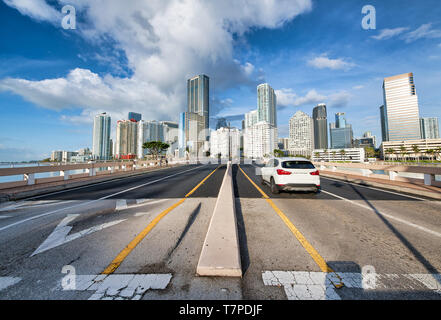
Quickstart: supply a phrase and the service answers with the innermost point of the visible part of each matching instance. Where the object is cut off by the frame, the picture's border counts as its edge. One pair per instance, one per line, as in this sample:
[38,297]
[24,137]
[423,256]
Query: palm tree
[343,153]
[416,151]
[437,152]
[334,153]
[430,152]
[317,156]
[403,152]
[389,152]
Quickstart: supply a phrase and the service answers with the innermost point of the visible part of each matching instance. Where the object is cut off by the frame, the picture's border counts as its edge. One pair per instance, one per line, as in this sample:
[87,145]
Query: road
[142,236]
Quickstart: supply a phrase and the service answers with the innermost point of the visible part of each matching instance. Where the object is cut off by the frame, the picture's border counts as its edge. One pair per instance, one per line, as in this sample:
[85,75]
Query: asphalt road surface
[140,238]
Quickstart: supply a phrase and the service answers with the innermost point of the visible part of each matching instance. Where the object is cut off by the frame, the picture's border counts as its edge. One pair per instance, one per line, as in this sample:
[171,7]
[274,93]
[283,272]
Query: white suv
[291,174]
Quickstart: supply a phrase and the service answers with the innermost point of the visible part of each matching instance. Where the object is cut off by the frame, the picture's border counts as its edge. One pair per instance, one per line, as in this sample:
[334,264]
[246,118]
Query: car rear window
[297,165]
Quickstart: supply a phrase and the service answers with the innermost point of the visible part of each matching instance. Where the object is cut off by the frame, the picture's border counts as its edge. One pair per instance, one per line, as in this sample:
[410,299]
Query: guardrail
[65,171]
[391,171]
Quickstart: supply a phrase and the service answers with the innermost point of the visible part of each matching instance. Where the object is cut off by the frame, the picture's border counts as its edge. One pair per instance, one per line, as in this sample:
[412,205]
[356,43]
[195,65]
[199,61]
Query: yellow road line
[126,251]
[308,247]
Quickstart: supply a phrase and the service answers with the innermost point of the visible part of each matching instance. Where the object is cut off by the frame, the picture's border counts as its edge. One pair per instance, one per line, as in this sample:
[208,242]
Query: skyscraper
[135,116]
[101,137]
[320,118]
[148,131]
[198,99]
[250,119]
[429,128]
[301,134]
[221,123]
[384,129]
[266,104]
[126,139]
[401,108]
[341,133]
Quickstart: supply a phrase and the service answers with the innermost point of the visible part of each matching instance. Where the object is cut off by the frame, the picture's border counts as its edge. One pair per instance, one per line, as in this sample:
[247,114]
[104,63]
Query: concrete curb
[42,189]
[220,256]
[428,194]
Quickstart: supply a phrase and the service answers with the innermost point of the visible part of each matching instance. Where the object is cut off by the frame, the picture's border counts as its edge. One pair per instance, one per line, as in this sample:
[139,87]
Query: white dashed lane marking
[121,286]
[300,285]
[6,282]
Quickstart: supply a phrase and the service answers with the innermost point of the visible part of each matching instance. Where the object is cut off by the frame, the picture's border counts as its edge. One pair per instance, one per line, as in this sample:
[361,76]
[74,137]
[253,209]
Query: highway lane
[348,226]
[347,236]
[172,246]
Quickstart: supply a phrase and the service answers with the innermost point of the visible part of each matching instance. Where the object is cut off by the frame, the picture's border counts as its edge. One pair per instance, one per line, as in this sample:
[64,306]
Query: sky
[137,55]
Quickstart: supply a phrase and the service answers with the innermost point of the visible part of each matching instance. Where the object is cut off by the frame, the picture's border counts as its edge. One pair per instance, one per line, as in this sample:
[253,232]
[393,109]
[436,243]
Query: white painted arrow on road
[60,235]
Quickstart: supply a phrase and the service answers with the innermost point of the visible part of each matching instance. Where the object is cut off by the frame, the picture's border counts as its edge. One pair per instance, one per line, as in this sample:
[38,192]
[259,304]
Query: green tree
[155,147]
[370,152]
[403,152]
[317,156]
[430,152]
[278,153]
[416,151]
[389,152]
[343,154]
[437,152]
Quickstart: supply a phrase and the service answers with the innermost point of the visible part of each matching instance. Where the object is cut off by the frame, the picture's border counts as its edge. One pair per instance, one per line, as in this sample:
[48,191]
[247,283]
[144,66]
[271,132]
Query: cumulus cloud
[323,62]
[424,32]
[389,33]
[164,43]
[36,9]
[287,98]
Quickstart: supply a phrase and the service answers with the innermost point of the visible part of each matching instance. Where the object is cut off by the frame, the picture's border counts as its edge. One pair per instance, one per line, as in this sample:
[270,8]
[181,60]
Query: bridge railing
[64,172]
[391,171]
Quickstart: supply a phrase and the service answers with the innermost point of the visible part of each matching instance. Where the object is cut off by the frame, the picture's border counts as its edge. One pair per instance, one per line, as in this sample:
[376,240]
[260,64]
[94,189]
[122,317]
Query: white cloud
[165,43]
[339,100]
[287,98]
[423,32]
[389,33]
[323,62]
[36,9]
[358,87]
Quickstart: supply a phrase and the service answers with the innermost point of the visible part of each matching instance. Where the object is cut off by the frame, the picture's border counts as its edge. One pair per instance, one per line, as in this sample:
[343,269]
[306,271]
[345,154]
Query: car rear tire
[274,187]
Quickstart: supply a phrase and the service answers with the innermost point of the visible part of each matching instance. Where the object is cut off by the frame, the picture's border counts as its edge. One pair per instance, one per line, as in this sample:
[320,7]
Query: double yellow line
[127,250]
[300,237]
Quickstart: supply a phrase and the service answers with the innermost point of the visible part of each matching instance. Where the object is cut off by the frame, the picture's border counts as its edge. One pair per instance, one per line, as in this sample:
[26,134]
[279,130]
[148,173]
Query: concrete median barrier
[220,254]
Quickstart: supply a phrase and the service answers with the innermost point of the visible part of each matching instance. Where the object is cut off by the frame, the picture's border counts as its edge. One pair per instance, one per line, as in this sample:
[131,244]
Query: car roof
[293,159]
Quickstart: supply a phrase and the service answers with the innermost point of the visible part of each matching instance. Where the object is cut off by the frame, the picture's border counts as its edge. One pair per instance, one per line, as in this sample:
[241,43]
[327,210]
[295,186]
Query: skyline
[343,68]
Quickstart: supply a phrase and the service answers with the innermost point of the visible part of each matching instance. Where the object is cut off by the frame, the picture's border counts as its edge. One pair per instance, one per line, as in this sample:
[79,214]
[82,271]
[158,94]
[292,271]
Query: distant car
[291,174]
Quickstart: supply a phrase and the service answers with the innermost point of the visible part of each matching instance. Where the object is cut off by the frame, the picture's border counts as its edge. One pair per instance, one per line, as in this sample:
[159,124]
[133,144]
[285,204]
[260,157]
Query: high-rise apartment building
[135,116]
[401,110]
[429,128]
[226,143]
[341,133]
[320,118]
[250,119]
[126,139]
[384,129]
[221,123]
[301,134]
[198,100]
[266,104]
[195,133]
[101,137]
[148,131]
[260,140]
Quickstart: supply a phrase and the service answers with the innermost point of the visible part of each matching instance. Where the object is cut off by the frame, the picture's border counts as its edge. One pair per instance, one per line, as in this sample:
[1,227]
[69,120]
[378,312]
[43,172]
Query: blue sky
[120,59]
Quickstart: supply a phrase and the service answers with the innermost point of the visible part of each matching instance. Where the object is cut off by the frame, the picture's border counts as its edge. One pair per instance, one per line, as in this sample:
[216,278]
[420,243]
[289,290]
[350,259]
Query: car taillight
[281,172]
[315,173]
